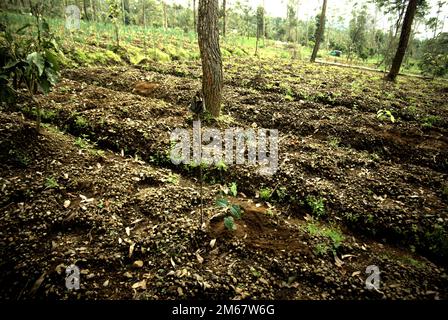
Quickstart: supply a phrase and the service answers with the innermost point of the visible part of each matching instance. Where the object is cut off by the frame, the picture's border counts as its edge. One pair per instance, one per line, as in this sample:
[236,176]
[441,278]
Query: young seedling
[265,194]
[233,189]
[317,206]
[383,115]
[232,212]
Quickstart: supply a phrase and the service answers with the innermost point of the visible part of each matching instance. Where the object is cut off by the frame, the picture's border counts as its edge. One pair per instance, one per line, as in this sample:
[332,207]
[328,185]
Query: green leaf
[223,203]
[11,64]
[45,26]
[229,223]
[38,60]
[52,77]
[233,189]
[235,210]
[44,85]
[52,59]
[55,44]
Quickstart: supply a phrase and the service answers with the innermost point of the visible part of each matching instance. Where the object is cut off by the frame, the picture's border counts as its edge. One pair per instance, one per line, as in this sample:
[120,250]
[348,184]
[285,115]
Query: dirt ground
[96,188]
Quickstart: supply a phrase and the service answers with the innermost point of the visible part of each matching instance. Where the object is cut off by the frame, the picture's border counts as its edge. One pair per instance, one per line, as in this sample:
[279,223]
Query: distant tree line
[361,39]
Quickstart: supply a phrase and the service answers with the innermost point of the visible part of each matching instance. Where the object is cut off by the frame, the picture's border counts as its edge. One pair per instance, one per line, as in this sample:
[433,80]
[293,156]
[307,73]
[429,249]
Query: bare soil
[96,188]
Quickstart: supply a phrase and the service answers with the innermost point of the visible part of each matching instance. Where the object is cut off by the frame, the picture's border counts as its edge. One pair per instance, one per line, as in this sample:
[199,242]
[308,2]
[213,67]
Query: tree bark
[224,18]
[212,75]
[320,32]
[126,12]
[165,19]
[144,26]
[264,23]
[194,17]
[260,19]
[85,10]
[92,2]
[404,40]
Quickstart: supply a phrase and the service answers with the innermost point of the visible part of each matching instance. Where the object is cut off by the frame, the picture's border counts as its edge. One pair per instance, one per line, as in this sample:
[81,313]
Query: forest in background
[169,28]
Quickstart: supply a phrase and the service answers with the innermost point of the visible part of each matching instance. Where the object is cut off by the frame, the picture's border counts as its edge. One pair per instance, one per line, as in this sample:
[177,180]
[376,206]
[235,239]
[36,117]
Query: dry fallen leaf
[338,262]
[200,259]
[212,243]
[140,284]
[172,263]
[128,231]
[66,203]
[182,273]
[356,273]
[138,264]
[131,249]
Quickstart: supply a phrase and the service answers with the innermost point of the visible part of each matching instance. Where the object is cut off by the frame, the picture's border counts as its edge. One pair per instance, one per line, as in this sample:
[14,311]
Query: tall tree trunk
[400,18]
[194,17]
[307,32]
[260,17]
[126,14]
[224,18]
[85,10]
[165,18]
[144,26]
[264,23]
[93,4]
[289,23]
[212,76]
[320,31]
[404,40]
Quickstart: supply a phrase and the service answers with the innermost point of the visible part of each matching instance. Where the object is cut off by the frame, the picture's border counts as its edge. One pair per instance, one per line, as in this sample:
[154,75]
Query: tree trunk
[165,19]
[289,23]
[264,23]
[256,43]
[307,32]
[224,18]
[404,39]
[194,17]
[144,27]
[320,31]
[212,76]
[126,12]
[94,10]
[85,10]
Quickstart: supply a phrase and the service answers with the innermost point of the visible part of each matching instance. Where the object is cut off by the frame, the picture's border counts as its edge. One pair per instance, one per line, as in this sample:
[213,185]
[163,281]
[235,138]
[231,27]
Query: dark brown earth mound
[96,188]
